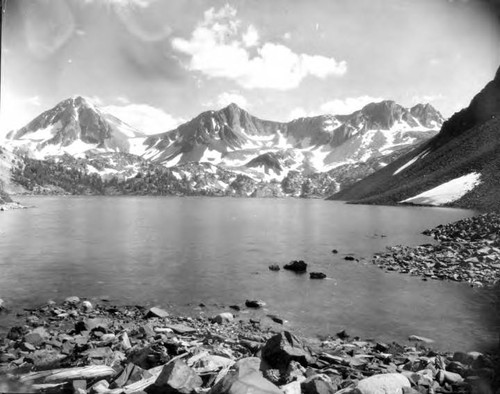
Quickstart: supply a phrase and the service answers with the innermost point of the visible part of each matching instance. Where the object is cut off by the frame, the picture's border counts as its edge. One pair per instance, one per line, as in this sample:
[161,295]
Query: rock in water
[416,338]
[254,303]
[296,266]
[284,347]
[178,378]
[274,267]
[390,383]
[317,275]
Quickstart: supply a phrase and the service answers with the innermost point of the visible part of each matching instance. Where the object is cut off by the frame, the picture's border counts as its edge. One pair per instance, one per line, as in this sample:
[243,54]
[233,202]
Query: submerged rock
[317,275]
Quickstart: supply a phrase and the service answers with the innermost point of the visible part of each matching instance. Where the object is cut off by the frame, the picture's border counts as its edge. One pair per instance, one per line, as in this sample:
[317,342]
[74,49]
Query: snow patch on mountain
[412,161]
[447,192]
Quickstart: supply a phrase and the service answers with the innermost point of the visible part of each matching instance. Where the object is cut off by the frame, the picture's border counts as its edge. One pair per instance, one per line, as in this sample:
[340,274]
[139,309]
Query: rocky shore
[77,347]
[466,251]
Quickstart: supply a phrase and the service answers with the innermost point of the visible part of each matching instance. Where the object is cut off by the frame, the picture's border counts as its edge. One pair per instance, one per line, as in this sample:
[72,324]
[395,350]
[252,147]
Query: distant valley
[77,148]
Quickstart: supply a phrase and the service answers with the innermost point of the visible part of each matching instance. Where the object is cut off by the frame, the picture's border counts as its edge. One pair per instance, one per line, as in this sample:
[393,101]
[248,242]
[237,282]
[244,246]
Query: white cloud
[348,105]
[145,118]
[298,112]
[426,98]
[226,98]
[218,50]
[251,36]
[17,112]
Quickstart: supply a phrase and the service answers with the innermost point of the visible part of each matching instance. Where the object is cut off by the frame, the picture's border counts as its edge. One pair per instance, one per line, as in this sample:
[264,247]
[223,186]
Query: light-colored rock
[390,383]
[452,377]
[416,338]
[157,312]
[223,318]
[239,382]
[178,377]
[72,300]
[291,388]
[87,306]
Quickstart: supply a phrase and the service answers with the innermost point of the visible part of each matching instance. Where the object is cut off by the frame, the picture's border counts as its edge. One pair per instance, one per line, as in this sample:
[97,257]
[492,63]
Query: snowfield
[447,192]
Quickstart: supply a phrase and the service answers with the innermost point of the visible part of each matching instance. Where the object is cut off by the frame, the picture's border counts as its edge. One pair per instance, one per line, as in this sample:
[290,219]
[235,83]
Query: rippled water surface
[184,251]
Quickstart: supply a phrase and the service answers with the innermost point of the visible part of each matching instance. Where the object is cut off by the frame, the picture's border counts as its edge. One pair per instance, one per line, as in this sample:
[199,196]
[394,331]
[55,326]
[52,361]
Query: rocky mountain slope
[265,150]
[74,126]
[237,153]
[458,167]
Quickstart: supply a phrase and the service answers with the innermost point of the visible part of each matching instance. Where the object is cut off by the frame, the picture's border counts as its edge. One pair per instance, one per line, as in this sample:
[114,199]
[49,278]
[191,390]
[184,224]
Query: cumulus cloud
[348,105]
[145,118]
[251,36]
[16,112]
[217,49]
[226,98]
[344,106]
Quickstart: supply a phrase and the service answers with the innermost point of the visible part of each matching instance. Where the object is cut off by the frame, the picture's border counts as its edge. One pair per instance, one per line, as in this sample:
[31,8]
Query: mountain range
[459,167]
[317,154]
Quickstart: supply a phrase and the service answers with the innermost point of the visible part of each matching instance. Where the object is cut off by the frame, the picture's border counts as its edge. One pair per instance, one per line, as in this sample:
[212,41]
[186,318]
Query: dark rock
[178,378]
[15,333]
[254,303]
[317,275]
[343,334]
[335,251]
[276,319]
[284,347]
[274,267]
[349,258]
[235,307]
[296,266]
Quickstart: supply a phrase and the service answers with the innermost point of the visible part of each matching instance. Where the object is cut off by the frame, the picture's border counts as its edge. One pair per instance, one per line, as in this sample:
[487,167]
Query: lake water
[179,252]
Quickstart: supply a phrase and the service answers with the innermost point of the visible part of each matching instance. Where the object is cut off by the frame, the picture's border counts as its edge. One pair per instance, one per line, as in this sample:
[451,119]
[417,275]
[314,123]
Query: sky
[158,63]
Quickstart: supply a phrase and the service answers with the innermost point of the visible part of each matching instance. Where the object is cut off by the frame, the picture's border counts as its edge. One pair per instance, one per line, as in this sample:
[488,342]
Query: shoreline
[76,334]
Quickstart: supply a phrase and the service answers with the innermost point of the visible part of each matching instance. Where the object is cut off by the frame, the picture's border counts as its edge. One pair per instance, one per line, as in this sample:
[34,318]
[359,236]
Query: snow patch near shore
[447,192]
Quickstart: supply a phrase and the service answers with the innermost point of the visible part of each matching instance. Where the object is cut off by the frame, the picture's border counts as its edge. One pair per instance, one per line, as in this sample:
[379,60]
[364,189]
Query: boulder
[72,300]
[274,267]
[223,318]
[178,378]
[157,312]
[318,384]
[87,306]
[291,388]
[284,347]
[349,258]
[390,383]
[317,275]
[296,266]
[254,303]
[245,380]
